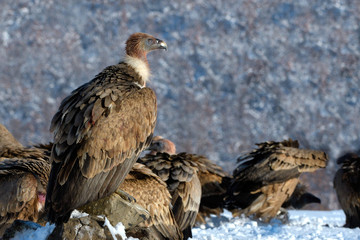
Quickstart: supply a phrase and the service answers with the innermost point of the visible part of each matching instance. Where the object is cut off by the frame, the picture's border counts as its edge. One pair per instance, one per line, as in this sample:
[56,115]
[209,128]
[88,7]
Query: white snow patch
[118,229]
[302,225]
[39,234]
[78,214]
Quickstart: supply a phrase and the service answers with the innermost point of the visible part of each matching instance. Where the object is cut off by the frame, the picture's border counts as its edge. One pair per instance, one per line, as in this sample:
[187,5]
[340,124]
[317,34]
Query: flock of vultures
[101,129]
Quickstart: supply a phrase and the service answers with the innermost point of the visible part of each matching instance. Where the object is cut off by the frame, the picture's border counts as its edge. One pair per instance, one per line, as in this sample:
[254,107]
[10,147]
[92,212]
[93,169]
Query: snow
[303,224]
[78,214]
[38,234]
[119,229]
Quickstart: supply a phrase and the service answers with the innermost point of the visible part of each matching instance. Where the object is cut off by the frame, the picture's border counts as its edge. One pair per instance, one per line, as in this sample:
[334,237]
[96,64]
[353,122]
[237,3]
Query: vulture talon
[124,195]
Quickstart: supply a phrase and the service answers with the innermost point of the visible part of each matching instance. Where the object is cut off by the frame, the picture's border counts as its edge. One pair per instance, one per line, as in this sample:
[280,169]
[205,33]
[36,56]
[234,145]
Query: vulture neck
[140,65]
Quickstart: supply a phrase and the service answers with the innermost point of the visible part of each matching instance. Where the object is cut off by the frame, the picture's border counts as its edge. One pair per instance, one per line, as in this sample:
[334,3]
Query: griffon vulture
[179,171]
[151,192]
[347,186]
[266,177]
[100,129]
[23,181]
[214,180]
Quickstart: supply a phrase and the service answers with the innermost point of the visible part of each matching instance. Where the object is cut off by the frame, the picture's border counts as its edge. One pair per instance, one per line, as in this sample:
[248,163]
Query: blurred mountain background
[237,72]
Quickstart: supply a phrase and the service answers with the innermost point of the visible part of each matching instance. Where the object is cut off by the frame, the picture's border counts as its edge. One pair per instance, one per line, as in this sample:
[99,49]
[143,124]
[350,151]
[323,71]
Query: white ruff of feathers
[140,67]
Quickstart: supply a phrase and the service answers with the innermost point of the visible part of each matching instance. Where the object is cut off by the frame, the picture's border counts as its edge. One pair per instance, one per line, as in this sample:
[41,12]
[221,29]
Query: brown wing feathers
[180,174]
[107,138]
[270,172]
[23,181]
[151,192]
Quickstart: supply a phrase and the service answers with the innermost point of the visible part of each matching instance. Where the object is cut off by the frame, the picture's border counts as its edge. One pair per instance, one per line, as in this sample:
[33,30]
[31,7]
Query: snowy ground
[302,225]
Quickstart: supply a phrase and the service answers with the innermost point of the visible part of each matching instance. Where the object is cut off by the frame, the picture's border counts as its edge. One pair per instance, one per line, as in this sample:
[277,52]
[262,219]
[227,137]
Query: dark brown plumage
[266,177]
[214,183]
[23,181]
[151,192]
[179,171]
[214,180]
[347,186]
[100,129]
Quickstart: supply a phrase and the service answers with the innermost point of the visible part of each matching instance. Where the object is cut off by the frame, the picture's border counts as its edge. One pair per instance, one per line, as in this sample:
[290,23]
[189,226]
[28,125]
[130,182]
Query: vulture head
[160,144]
[348,157]
[137,47]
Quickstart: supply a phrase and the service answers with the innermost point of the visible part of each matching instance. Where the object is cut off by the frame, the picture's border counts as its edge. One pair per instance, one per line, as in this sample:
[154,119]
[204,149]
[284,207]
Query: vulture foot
[127,197]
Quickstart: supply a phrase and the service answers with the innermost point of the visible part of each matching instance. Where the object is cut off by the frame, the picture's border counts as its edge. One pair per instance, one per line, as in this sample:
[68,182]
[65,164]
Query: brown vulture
[266,177]
[23,181]
[100,129]
[214,180]
[155,198]
[214,183]
[7,143]
[347,186]
[179,171]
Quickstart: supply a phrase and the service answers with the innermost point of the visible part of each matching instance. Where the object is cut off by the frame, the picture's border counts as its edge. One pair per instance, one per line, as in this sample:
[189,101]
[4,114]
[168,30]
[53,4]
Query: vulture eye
[150,41]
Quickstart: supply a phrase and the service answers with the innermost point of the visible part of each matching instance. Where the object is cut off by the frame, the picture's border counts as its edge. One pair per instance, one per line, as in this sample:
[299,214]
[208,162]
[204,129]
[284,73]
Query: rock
[116,209]
[84,228]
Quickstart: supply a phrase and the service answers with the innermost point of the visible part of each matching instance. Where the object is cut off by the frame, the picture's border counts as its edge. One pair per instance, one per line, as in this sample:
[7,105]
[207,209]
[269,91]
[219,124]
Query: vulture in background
[214,183]
[99,131]
[156,199]
[24,174]
[300,198]
[179,171]
[347,186]
[214,180]
[266,177]
[8,143]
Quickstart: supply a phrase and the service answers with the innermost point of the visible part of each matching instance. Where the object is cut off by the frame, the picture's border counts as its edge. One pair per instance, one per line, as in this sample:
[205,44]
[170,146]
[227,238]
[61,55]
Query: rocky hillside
[236,72]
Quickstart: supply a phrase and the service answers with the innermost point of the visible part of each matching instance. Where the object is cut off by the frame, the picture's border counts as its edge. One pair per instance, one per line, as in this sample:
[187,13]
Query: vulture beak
[160,44]
[151,148]
[156,146]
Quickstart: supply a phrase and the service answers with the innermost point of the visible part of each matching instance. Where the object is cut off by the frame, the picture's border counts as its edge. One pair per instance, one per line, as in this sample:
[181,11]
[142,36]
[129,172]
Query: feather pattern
[154,197]
[267,176]
[23,180]
[179,171]
[99,131]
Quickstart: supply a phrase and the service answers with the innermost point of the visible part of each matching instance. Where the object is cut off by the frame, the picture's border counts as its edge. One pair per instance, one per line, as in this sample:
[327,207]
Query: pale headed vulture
[151,193]
[100,129]
[179,171]
[347,186]
[266,177]
[23,181]
[214,180]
